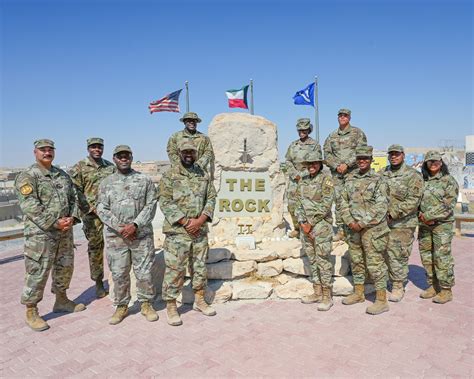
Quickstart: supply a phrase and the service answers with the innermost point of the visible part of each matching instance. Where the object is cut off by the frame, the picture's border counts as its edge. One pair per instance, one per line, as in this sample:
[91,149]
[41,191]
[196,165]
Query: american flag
[169,103]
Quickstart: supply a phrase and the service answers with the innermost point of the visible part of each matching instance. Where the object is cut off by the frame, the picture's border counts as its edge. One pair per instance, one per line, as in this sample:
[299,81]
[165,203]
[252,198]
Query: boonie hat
[395,147]
[44,143]
[344,110]
[190,116]
[432,155]
[303,124]
[364,151]
[187,145]
[121,148]
[95,140]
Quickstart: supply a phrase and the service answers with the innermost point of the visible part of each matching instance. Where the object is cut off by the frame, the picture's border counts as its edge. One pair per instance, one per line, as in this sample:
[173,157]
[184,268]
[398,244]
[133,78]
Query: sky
[76,69]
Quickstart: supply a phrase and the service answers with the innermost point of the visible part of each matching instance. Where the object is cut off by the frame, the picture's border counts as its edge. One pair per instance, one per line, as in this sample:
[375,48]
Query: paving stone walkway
[417,338]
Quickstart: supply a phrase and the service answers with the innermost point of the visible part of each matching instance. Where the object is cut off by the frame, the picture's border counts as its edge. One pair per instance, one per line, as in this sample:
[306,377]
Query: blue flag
[305,96]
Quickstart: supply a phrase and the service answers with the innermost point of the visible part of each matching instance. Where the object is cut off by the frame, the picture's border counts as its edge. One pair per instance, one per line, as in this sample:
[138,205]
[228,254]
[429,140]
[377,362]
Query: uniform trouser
[93,229]
[367,251]
[435,252]
[122,255]
[400,243]
[318,252]
[291,197]
[43,253]
[181,251]
[338,187]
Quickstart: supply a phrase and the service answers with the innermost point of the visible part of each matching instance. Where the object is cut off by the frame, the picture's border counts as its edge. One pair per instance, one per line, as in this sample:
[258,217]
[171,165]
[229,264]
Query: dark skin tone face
[303,134]
[364,164]
[433,167]
[44,156]
[188,157]
[313,167]
[190,125]
[343,120]
[123,160]
[95,151]
[396,158]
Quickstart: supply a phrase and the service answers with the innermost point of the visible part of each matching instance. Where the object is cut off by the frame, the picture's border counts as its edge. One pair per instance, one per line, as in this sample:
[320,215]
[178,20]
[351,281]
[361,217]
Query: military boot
[120,313]
[357,297]
[33,319]
[201,305]
[444,296]
[326,302]
[172,313]
[380,305]
[100,291]
[428,293]
[63,304]
[397,292]
[315,297]
[294,234]
[148,311]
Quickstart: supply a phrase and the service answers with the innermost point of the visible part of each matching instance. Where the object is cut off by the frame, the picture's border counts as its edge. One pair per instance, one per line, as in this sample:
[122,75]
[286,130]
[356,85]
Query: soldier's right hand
[64,224]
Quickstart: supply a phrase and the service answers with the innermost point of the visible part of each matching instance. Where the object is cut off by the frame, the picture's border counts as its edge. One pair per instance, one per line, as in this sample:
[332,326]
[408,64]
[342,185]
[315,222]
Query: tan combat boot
[357,297]
[33,319]
[397,292]
[315,297]
[100,291]
[172,313]
[380,305]
[63,304]
[428,293]
[201,305]
[444,296]
[294,234]
[120,313]
[326,302]
[148,311]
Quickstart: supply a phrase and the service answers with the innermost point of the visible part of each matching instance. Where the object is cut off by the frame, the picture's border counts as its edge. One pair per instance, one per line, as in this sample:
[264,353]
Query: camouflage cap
[395,147]
[364,151]
[432,155]
[44,143]
[190,116]
[313,156]
[303,124]
[95,140]
[121,148]
[187,145]
[344,111]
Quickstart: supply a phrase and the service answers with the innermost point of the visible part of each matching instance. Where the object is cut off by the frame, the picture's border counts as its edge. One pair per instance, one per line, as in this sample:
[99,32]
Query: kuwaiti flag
[238,97]
[305,96]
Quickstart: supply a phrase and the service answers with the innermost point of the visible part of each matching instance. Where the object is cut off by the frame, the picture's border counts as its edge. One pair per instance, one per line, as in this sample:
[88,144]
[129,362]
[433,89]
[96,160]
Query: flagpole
[187,95]
[316,110]
[251,96]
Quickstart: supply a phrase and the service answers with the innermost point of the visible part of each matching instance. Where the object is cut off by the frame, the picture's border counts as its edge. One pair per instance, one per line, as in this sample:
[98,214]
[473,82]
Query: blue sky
[75,69]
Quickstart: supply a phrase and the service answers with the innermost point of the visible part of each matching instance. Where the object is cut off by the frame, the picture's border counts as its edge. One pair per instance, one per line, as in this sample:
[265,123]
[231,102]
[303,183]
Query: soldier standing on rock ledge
[127,205]
[339,155]
[48,201]
[86,176]
[187,200]
[315,195]
[364,208]
[205,153]
[404,190]
[294,167]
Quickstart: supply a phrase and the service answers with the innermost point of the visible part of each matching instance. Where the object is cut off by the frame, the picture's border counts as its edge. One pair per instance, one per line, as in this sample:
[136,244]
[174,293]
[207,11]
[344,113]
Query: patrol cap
[190,116]
[95,140]
[303,124]
[395,147]
[344,111]
[44,143]
[313,156]
[364,151]
[187,145]
[432,155]
[121,148]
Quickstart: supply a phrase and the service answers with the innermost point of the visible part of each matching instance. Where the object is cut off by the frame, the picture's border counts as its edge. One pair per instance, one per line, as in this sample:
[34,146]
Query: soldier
[205,153]
[126,205]
[187,199]
[404,189]
[315,195]
[86,176]
[48,201]
[339,155]
[295,169]
[436,228]
[364,208]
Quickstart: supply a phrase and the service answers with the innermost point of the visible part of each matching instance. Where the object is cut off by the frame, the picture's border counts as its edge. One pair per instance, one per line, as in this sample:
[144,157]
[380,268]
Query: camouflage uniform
[125,199]
[437,204]
[339,148]
[364,201]
[86,176]
[294,166]
[185,193]
[45,196]
[315,195]
[404,190]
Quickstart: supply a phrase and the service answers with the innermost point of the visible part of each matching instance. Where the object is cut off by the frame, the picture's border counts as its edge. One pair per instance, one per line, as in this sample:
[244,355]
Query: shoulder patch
[26,189]
[328,182]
